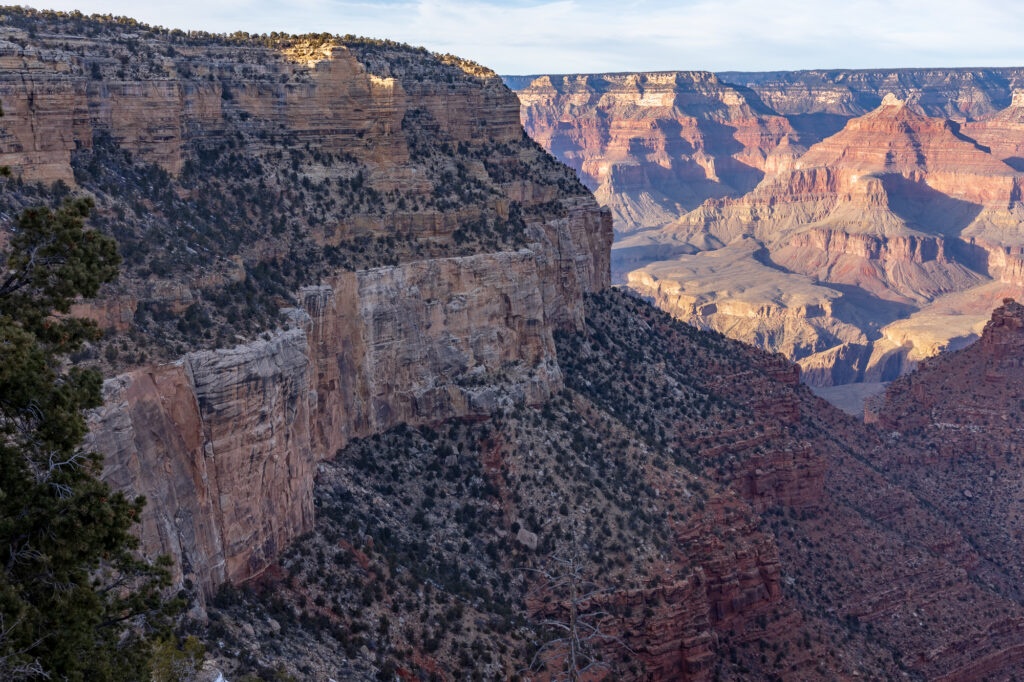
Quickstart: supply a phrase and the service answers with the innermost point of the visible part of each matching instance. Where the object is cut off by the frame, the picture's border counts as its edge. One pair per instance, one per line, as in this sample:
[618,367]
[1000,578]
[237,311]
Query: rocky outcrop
[959,411]
[224,444]
[52,107]
[235,170]
[221,446]
[950,93]
[887,173]
[923,398]
[429,249]
[653,145]
[426,342]
[1003,132]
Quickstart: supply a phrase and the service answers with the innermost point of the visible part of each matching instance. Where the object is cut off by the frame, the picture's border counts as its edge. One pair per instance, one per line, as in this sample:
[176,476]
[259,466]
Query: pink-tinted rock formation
[896,214]
[821,97]
[890,208]
[224,444]
[656,144]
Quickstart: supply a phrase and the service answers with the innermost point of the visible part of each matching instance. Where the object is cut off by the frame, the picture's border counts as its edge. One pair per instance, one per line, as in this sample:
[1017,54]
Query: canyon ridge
[856,221]
[366,363]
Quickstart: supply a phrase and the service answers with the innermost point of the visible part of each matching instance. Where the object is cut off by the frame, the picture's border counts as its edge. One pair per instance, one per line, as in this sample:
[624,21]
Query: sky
[580,36]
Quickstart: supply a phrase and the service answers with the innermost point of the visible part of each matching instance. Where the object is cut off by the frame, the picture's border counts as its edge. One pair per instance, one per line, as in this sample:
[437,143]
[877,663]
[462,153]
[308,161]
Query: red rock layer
[918,401]
[653,144]
[956,427]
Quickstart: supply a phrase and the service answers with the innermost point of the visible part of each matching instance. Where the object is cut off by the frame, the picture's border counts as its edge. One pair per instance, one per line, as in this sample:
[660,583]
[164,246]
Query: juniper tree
[75,602]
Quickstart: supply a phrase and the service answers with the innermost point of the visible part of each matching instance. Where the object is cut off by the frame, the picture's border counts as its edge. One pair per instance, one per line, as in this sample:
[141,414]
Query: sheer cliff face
[654,145]
[225,444]
[425,249]
[960,94]
[879,233]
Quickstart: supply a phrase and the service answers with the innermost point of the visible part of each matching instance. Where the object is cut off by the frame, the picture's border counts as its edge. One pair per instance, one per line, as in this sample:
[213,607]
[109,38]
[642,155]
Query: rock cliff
[225,444]
[899,214]
[960,94]
[653,145]
[424,251]
[451,401]
[879,233]
[236,170]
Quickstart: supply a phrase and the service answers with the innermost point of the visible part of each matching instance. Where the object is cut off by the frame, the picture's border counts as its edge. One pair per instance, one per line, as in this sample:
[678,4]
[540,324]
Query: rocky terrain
[392,422]
[960,413]
[654,145]
[369,219]
[957,93]
[234,171]
[880,231]
[735,526]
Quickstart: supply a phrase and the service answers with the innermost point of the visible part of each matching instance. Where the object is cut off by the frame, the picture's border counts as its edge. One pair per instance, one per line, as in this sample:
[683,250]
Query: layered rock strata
[427,249]
[898,215]
[233,170]
[895,192]
[653,145]
[224,444]
[954,93]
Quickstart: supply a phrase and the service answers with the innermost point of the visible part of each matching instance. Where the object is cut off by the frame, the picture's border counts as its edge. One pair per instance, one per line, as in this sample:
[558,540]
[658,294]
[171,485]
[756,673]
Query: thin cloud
[524,36]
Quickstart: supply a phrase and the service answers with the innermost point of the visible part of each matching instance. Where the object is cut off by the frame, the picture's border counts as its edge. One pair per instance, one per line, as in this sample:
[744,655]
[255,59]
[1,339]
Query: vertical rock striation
[430,250]
[224,444]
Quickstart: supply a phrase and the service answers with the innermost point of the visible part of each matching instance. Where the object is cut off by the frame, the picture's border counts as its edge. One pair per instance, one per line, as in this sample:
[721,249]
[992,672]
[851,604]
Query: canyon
[224,442]
[366,364]
[856,221]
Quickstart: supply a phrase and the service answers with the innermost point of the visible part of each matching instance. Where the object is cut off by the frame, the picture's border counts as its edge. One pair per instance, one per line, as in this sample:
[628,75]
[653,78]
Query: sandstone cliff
[864,186]
[225,444]
[721,510]
[427,248]
[235,170]
[450,403]
[653,145]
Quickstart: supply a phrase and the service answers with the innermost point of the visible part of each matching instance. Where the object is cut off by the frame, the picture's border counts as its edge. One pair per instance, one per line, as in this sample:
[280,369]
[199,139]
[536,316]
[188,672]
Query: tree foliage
[75,602]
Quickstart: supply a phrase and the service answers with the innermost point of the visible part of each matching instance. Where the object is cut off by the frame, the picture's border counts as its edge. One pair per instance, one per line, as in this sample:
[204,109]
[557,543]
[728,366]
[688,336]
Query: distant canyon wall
[956,93]
[857,221]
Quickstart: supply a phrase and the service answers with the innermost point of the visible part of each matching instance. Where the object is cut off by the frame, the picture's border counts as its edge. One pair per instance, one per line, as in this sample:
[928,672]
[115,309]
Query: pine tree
[75,602]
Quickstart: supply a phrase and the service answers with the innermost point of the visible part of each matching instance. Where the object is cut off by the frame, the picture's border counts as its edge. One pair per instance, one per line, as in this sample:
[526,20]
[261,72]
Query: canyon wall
[653,145]
[957,93]
[224,444]
[885,221]
[423,251]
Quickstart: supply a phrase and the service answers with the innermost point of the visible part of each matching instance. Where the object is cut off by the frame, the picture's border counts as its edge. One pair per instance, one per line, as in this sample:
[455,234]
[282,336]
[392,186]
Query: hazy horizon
[522,37]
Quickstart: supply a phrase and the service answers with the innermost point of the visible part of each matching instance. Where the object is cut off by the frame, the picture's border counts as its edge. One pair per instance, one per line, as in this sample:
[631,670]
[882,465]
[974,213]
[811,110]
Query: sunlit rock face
[365,146]
[224,444]
[886,221]
[654,145]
